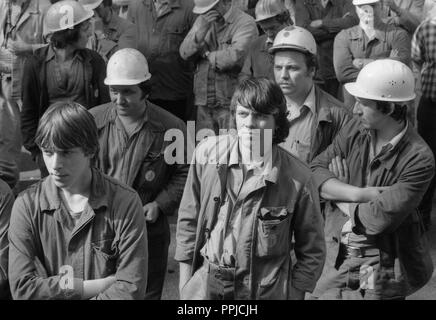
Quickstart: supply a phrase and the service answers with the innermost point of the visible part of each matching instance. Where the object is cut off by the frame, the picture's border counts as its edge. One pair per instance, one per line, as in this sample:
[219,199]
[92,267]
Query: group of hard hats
[385,80]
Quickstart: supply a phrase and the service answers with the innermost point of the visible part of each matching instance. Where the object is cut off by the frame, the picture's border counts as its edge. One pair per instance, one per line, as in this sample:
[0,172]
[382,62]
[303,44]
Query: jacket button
[216,199]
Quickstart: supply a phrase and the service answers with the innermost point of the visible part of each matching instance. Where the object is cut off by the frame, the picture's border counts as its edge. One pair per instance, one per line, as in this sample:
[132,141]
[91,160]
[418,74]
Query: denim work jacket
[109,239]
[391,221]
[286,204]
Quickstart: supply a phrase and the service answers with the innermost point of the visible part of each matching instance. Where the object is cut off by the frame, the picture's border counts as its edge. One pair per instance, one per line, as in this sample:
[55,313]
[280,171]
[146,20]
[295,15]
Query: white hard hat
[90,4]
[266,9]
[384,80]
[361,2]
[294,38]
[64,15]
[127,67]
[203,6]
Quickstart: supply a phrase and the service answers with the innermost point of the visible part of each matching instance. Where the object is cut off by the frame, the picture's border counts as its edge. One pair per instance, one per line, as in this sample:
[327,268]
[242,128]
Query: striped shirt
[424,54]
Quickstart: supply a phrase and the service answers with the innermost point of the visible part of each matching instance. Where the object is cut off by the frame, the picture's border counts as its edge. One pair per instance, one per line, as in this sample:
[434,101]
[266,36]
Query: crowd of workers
[313,172]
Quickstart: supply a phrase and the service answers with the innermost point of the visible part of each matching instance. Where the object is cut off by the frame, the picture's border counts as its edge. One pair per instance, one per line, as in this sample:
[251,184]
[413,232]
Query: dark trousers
[176,107]
[158,235]
[426,118]
[353,278]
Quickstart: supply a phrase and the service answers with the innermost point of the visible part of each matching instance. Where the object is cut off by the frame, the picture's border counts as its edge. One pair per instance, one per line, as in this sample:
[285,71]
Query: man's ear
[391,108]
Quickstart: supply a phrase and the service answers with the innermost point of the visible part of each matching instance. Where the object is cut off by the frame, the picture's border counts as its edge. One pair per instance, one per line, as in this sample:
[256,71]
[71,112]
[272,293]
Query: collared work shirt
[159,39]
[139,159]
[302,119]
[389,42]
[228,48]
[336,15]
[221,247]
[110,238]
[259,63]
[424,55]
[65,83]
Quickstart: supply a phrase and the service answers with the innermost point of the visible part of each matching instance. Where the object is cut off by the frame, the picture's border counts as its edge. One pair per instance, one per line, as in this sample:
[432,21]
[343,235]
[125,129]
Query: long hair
[266,97]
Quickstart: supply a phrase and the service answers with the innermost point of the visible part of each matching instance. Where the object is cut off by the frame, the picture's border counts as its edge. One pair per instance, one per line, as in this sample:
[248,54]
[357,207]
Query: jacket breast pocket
[104,257]
[273,231]
[175,36]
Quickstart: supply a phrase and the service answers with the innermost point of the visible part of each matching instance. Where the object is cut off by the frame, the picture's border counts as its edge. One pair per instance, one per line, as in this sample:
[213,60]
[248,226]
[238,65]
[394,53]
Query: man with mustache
[314,115]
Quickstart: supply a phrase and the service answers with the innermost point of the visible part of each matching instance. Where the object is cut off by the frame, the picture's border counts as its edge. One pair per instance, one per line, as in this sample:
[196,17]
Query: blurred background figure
[110,32]
[271,16]
[325,19]
[21,32]
[372,39]
[161,26]
[63,70]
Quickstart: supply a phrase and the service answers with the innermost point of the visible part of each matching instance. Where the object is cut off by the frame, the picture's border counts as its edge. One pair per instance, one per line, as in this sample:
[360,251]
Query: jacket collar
[323,111]
[231,157]
[389,159]
[49,198]
[150,117]
[357,32]
[78,54]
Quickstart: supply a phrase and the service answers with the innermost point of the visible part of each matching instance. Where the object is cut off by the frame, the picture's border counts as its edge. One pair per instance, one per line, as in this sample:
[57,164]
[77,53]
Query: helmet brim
[89,14]
[92,6]
[125,82]
[199,10]
[287,47]
[357,91]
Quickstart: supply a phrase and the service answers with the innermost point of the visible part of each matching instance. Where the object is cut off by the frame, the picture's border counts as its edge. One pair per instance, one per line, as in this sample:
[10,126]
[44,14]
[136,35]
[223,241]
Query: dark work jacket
[392,220]
[35,94]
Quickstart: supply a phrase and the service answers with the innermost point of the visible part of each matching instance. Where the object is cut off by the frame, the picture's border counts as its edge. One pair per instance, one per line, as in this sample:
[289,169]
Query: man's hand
[19,46]
[316,23]
[151,211]
[339,168]
[359,63]
[92,288]
[204,22]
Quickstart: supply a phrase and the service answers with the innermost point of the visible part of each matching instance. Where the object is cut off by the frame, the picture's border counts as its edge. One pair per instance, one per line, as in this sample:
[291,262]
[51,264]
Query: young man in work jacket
[77,234]
[375,174]
[63,70]
[315,117]
[131,133]
[244,200]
